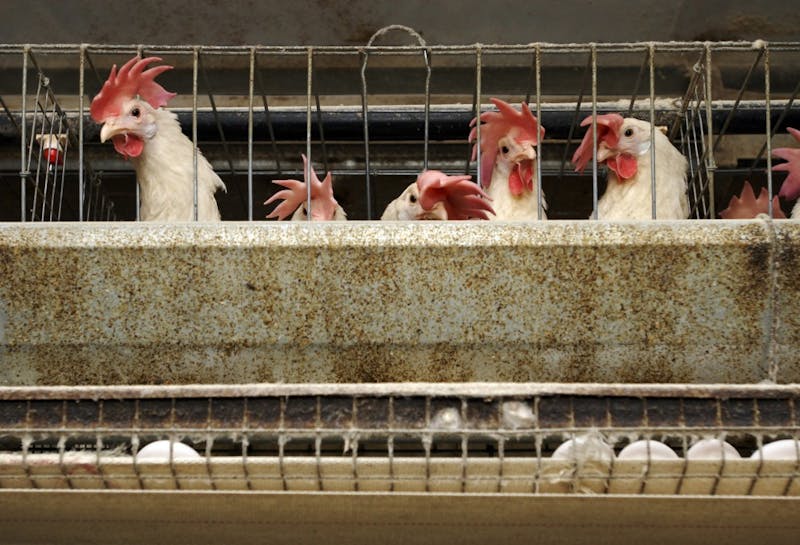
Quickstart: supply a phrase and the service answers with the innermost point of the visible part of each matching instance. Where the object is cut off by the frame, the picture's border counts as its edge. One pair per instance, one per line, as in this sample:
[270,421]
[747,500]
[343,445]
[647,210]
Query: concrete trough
[560,301]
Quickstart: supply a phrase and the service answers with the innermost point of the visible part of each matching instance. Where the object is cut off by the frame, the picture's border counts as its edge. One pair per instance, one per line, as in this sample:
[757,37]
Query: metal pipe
[768,127]
[81,92]
[478,101]
[195,60]
[595,212]
[250,135]
[652,132]
[365,115]
[709,151]
[539,197]
[307,166]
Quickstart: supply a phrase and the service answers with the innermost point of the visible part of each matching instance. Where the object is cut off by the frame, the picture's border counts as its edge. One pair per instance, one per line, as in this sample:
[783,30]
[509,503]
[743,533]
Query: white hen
[294,198]
[129,106]
[436,196]
[508,160]
[623,144]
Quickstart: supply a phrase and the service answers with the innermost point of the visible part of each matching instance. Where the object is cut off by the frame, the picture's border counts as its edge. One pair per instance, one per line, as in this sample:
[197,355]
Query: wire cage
[377,115]
[523,438]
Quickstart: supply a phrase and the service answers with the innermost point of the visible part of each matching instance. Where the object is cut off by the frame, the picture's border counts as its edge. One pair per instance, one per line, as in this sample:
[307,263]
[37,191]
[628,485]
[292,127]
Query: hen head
[790,189]
[747,206]
[620,142]
[126,105]
[436,196]
[509,136]
[323,205]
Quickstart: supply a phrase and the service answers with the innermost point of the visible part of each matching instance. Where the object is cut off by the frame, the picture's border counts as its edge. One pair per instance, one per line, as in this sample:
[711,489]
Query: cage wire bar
[523,438]
[693,120]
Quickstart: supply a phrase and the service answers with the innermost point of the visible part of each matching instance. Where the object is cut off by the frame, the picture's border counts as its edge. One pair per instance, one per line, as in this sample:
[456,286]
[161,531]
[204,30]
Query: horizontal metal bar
[468,389]
[403,124]
[439,49]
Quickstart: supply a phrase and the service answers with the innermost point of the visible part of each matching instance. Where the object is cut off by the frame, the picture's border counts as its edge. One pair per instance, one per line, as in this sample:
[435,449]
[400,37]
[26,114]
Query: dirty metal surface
[685,302]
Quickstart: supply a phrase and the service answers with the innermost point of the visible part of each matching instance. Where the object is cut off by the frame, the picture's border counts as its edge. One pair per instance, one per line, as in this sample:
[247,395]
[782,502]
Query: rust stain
[235,303]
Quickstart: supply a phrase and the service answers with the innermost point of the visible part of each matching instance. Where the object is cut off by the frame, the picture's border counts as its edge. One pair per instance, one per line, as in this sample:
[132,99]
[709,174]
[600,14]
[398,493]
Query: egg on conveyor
[158,451]
[647,448]
[584,448]
[785,449]
[712,449]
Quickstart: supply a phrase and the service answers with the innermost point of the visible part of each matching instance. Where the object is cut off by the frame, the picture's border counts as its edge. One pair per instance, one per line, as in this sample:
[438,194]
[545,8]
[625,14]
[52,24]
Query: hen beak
[112,128]
[527,152]
[604,152]
[438,212]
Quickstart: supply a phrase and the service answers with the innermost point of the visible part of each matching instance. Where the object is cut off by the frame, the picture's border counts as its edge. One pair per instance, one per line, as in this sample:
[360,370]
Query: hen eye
[628,132]
[135,111]
[504,149]
[412,198]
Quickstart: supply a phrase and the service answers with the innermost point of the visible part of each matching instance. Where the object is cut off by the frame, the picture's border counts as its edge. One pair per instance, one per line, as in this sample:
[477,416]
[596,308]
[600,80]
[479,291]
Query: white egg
[446,419]
[647,448]
[712,449]
[518,414]
[586,447]
[785,449]
[158,451]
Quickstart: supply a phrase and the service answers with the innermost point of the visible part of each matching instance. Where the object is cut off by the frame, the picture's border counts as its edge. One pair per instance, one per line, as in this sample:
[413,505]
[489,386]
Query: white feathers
[165,174]
[631,199]
[507,206]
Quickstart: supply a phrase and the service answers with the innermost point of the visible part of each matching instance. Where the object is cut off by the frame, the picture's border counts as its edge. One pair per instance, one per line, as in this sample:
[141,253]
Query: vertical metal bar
[250,135]
[710,162]
[594,132]
[426,54]
[474,112]
[321,130]
[652,51]
[307,166]
[390,443]
[768,126]
[81,92]
[320,126]
[63,181]
[23,174]
[246,444]
[539,197]
[48,165]
[478,70]
[462,424]
[195,60]
[43,109]
[365,115]
[62,156]
[317,420]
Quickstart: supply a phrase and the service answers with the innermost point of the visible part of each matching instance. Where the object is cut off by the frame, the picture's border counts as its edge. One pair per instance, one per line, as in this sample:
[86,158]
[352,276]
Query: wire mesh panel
[377,115]
[415,437]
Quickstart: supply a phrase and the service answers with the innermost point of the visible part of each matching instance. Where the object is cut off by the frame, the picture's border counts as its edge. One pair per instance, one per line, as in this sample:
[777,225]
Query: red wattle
[521,178]
[624,165]
[128,145]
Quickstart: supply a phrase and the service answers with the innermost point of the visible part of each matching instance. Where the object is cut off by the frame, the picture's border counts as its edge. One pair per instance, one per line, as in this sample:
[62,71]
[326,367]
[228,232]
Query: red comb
[608,126]
[748,207]
[790,189]
[296,193]
[521,126]
[462,198]
[131,80]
